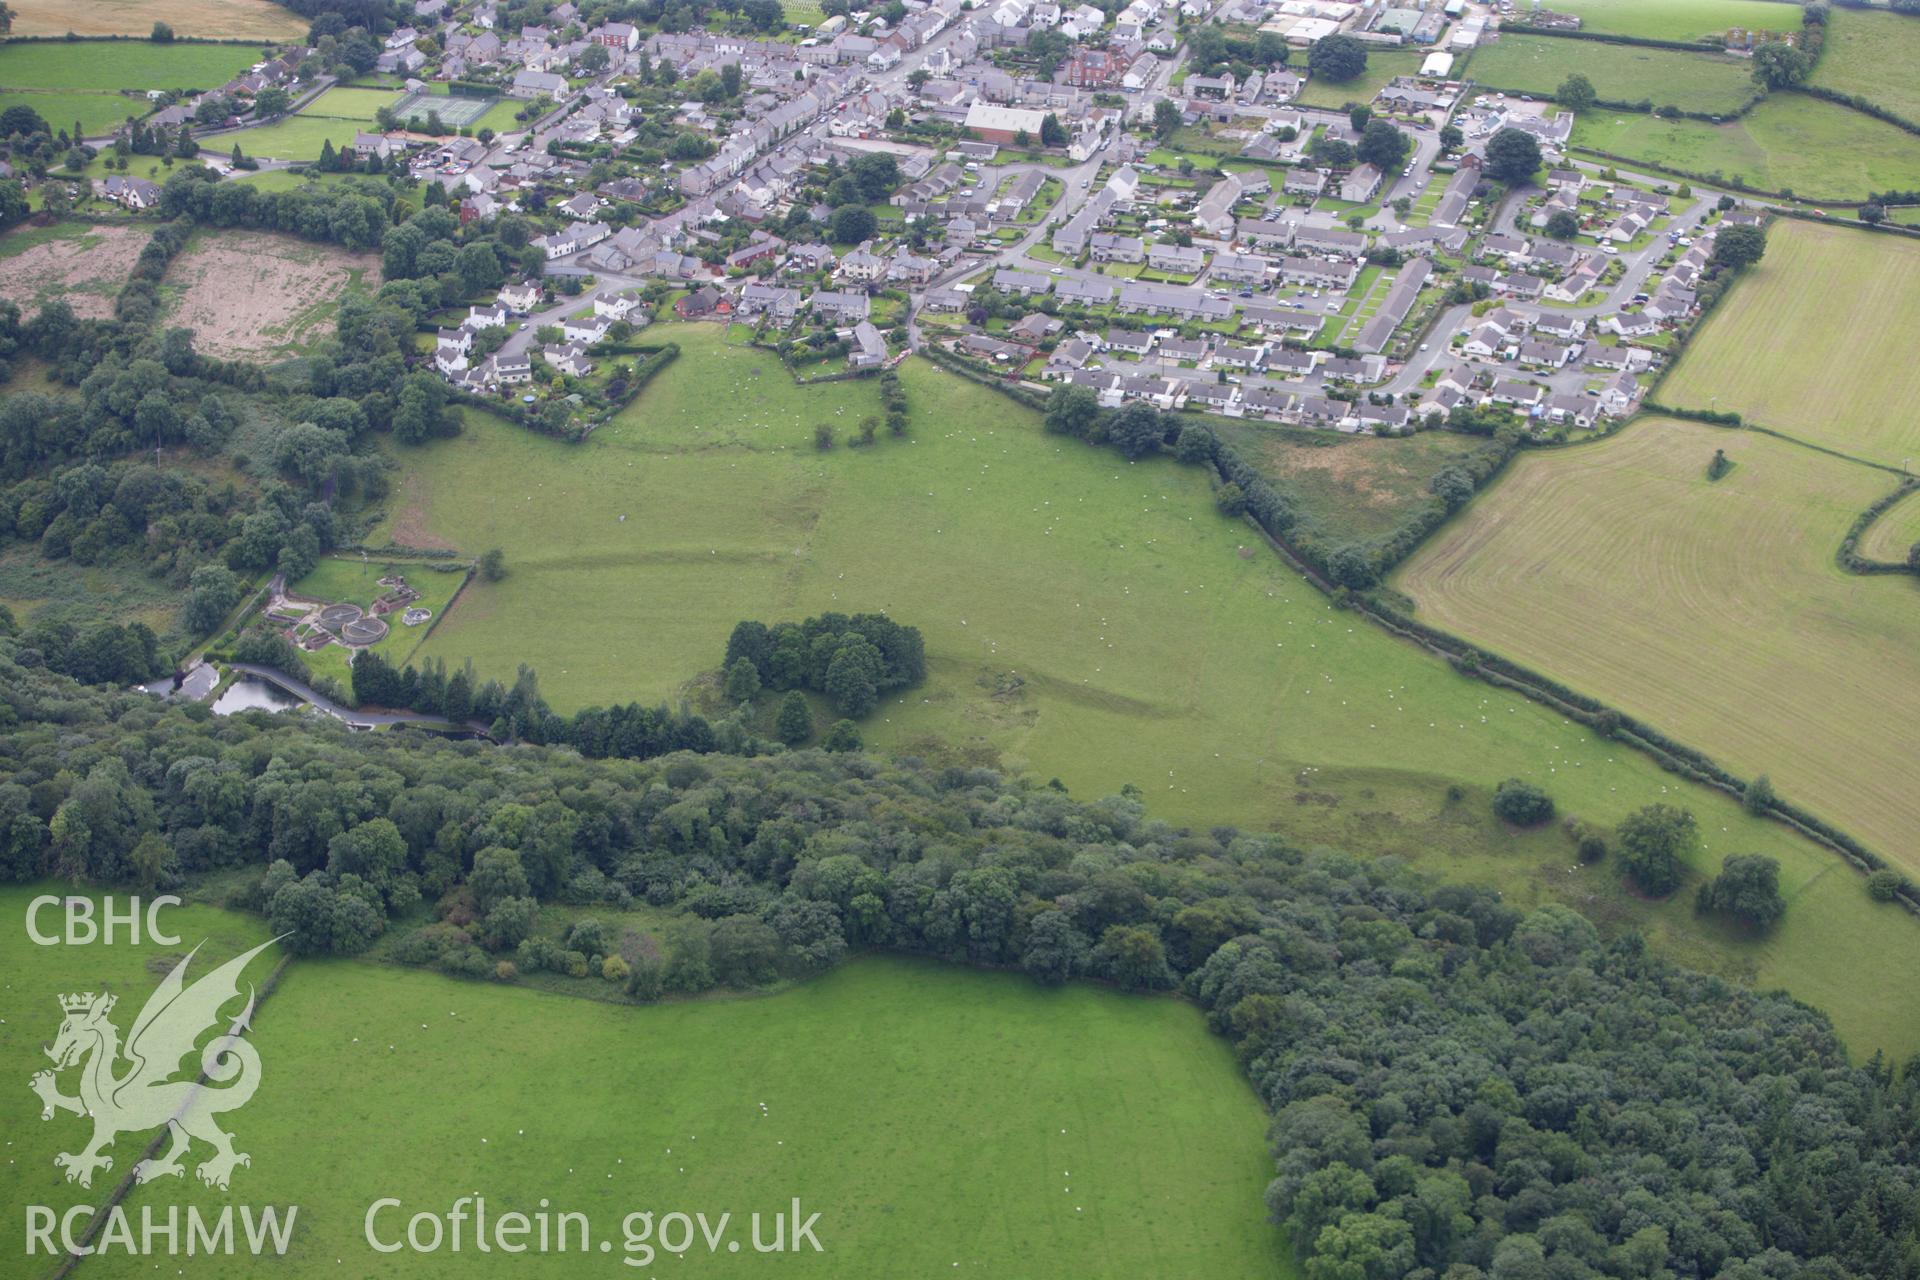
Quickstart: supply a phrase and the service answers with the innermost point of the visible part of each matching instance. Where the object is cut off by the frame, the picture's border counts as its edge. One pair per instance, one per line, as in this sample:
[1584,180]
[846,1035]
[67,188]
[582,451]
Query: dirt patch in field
[1357,469]
[251,294]
[84,270]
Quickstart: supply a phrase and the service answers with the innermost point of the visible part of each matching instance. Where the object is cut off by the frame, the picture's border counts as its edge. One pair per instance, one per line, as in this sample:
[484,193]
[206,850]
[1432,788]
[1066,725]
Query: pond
[250,693]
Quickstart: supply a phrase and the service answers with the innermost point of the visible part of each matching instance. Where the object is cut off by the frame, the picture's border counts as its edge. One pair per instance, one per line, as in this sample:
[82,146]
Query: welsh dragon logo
[148,1093]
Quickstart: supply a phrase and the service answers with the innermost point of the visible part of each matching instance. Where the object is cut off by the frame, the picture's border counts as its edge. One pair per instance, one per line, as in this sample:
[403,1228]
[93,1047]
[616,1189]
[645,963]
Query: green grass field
[1816,149]
[1714,610]
[97,113]
[1894,534]
[1085,619]
[1382,66]
[295,138]
[1813,343]
[1873,55]
[500,117]
[350,104]
[110,66]
[1620,73]
[1680,19]
[930,1114]
[293,180]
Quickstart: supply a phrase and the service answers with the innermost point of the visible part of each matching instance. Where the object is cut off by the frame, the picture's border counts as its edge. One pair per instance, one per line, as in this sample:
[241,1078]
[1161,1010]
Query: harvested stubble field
[1712,609]
[78,263]
[110,66]
[222,19]
[1816,342]
[1180,655]
[260,294]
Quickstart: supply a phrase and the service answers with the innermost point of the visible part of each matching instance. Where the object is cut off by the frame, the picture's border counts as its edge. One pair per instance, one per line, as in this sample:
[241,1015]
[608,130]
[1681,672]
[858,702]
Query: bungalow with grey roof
[1573,411]
[1014,280]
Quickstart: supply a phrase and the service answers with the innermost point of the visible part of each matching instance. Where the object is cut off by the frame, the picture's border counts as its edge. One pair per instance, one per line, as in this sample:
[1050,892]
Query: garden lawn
[1680,19]
[1873,55]
[1085,619]
[1790,141]
[112,65]
[1537,65]
[30,1015]
[1815,343]
[1382,66]
[295,138]
[350,104]
[930,1115]
[1711,609]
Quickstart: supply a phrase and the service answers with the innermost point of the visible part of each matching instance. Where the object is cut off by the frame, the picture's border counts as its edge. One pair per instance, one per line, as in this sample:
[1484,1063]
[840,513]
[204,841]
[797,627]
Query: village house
[519,298]
[837,307]
[1107,247]
[1176,259]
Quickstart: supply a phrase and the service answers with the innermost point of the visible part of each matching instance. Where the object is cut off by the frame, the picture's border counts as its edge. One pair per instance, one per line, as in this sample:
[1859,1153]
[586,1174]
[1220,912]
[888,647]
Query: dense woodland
[1460,1090]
